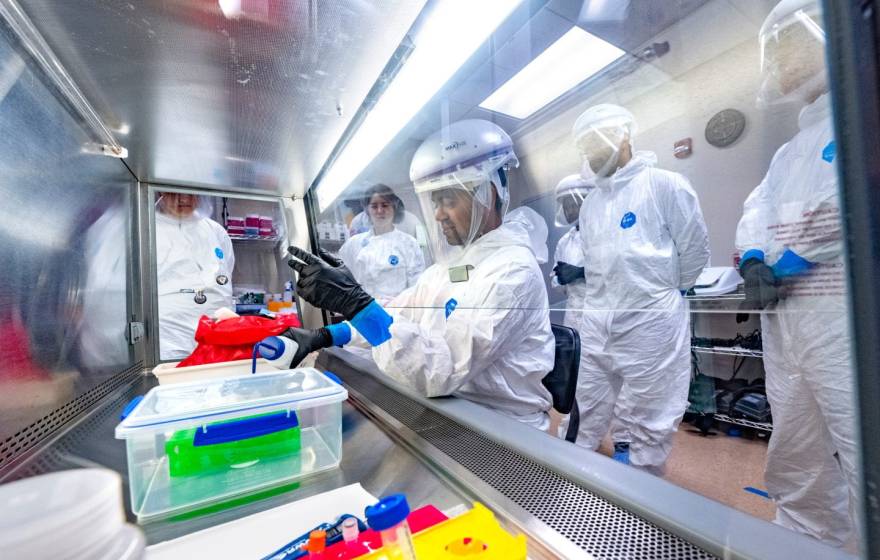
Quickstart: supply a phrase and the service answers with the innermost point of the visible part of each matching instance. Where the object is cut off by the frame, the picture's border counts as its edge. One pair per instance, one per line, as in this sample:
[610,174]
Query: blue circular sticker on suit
[829,151]
[628,220]
[219,252]
[393,260]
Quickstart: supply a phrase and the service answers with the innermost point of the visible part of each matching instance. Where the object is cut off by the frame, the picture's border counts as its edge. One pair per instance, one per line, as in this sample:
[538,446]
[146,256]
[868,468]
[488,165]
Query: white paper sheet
[717,280]
[262,533]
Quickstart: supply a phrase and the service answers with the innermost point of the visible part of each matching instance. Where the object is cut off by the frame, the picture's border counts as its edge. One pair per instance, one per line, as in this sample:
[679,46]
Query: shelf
[745,423]
[255,239]
[728,351]
[737,296]
[333,242]
[727,303]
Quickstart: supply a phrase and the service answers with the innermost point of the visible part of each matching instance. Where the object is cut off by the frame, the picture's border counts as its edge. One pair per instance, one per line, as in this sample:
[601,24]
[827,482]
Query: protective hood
[792,43]
[462,164]
[572,190]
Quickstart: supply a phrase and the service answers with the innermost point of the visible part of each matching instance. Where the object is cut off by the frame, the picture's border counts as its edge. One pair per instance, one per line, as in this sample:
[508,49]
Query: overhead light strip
[573,58]
[452,32]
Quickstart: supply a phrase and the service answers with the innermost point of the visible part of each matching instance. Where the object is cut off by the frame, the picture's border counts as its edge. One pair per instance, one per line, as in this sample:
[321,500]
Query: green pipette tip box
[187,457]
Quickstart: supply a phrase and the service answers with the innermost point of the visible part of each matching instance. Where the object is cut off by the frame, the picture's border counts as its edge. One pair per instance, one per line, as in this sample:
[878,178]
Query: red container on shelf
[252,220]
[234,221]
[267,232]
[266,222]
[235,230]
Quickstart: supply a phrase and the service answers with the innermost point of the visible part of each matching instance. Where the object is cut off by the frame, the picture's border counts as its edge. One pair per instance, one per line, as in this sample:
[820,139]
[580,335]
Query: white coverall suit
[644,241]
[570,249]
[191,253]
[385,264]
[494,345]
[806,335]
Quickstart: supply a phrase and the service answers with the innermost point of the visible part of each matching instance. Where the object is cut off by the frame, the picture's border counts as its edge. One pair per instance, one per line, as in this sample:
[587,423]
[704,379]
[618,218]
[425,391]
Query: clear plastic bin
[194,445]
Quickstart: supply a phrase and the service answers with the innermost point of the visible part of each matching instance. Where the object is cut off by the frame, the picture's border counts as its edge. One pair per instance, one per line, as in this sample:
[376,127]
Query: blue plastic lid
[390,511]
[271,348]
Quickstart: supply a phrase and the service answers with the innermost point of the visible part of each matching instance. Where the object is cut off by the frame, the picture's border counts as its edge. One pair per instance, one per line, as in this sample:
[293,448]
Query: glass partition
[661,178]
[215,252]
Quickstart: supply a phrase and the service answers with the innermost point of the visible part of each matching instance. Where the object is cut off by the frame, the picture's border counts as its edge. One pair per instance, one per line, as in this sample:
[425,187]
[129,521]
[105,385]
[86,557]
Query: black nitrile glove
[761,287]
[308,341]
[327,283]
[567,273]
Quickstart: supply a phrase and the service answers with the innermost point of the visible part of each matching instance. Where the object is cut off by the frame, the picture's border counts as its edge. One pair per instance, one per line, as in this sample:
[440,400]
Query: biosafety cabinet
[273,121]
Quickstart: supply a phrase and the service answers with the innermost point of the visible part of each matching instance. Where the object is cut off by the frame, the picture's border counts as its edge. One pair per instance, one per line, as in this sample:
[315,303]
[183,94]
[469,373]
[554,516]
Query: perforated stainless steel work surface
[30,436]
[597,526]
[44,428]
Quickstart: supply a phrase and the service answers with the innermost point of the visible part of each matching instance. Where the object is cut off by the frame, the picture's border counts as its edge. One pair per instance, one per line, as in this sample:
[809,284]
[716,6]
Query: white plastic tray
[169,373]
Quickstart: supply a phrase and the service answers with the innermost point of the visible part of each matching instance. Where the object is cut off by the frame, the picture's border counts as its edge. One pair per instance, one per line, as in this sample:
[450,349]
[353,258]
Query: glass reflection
[63,214]
[103,341]
[214,253]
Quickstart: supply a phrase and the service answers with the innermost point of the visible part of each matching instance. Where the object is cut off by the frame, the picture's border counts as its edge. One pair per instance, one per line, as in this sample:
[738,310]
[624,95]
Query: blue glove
[790,264]
[373,322]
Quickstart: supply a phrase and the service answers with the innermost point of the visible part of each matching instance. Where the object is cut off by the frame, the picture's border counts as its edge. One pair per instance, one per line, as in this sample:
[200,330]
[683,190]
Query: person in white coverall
[384,260]
[194,264]
[408,224]
[645,243]
[792,263]
[569,256]
[476,324]
[569,274]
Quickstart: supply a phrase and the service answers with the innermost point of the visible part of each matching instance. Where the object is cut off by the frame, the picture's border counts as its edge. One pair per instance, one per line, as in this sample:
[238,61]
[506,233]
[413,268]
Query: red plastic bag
[234,339]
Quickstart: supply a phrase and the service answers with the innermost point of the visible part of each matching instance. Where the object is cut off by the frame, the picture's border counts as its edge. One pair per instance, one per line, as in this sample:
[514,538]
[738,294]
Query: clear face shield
[793,59]
[458,206]
[600,150]
[568,207]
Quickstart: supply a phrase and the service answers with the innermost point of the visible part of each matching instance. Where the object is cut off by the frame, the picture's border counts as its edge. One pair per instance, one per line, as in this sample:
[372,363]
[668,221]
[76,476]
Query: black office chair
[562,380]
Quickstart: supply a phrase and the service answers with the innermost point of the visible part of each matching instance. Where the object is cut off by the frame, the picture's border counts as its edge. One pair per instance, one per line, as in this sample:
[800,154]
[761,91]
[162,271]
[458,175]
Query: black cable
[736,368]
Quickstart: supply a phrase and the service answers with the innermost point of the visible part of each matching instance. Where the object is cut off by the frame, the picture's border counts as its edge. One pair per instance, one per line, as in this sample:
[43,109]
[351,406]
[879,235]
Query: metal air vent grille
[31,435]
